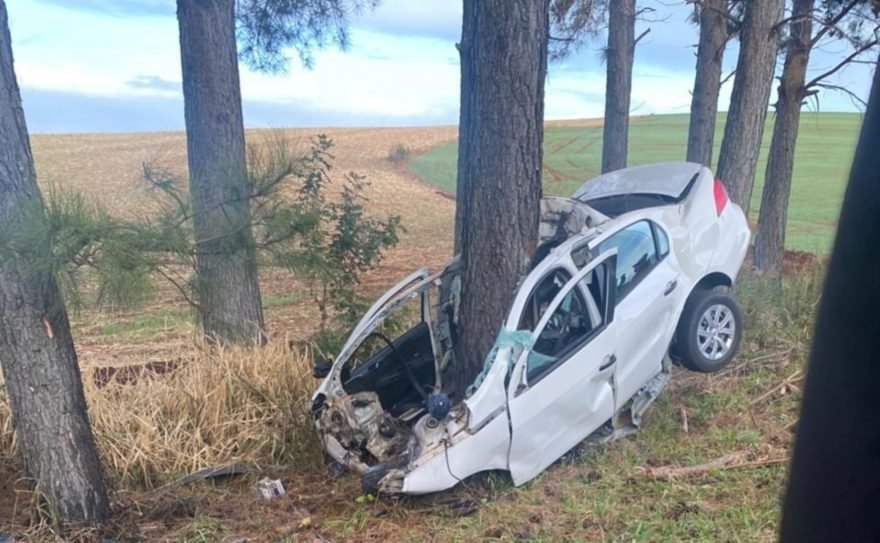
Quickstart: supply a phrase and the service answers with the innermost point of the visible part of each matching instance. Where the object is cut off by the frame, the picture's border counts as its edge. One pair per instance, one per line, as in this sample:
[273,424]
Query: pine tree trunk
[707,83]
[36,349]
[503,68]
[228,291]
[618,83]
[770,241]
[759,41]
[833,478]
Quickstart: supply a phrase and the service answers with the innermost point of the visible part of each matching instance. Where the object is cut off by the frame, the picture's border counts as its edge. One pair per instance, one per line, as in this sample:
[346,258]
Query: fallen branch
[684,419]
[764,357]
[788,381]
[727,462]
[669,472]
[226,470]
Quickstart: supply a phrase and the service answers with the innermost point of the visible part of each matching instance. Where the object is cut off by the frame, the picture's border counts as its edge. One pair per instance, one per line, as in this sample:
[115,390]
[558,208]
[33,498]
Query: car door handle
[670,286]
[608,362]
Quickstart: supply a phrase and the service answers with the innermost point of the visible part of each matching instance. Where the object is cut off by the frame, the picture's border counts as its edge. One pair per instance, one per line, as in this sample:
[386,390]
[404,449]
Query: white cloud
[402,66]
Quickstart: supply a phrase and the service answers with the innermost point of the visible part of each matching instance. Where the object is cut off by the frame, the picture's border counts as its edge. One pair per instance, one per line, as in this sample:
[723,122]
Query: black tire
[687,347]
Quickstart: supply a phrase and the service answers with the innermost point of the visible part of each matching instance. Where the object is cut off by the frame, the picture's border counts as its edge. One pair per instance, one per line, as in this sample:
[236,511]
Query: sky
[114,66]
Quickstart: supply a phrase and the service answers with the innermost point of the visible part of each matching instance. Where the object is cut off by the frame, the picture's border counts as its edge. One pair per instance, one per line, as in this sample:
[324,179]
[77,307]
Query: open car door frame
[573,399]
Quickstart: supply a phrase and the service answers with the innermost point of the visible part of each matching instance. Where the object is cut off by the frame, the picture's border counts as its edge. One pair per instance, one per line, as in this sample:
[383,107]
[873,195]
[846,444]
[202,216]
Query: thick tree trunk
[503,67]
[707,83]
[770,241]
[833,479]
[618,83]
[759,41]
[36,348]
[227,288]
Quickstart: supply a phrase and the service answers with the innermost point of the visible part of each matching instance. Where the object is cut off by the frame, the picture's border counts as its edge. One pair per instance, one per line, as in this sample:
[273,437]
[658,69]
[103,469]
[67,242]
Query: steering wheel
[406,369]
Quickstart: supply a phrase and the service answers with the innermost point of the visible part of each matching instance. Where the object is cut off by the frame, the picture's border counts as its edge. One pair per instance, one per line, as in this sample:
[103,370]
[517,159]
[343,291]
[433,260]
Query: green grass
[148,324]
[281,300]
[153,322]
[572,154]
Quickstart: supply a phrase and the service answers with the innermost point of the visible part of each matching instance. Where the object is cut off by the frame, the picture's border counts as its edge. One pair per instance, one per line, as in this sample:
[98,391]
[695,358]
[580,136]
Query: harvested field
[108,168]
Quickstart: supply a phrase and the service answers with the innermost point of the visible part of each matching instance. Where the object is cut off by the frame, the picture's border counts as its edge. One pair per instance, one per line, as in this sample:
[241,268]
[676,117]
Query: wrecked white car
[633,272]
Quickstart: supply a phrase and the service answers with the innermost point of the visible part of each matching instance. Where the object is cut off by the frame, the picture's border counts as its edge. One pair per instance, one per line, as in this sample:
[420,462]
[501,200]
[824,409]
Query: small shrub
[398,154]
[300,221]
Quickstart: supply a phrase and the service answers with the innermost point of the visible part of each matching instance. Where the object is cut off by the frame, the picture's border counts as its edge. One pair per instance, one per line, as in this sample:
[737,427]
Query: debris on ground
[268,488]
[734,460]
[224,471]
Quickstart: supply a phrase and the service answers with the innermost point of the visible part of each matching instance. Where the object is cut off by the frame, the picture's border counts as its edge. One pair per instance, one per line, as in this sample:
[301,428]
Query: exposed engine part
[360,425]
[438,405]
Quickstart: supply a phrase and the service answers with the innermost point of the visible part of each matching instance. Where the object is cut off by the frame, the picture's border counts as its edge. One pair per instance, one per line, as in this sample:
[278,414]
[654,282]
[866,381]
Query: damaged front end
[380,408]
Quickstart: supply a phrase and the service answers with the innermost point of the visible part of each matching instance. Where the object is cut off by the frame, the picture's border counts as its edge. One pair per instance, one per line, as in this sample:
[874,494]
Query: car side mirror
[322,368]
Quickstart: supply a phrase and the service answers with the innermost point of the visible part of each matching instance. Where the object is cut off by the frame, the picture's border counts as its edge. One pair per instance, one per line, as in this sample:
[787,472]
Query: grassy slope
[572,154]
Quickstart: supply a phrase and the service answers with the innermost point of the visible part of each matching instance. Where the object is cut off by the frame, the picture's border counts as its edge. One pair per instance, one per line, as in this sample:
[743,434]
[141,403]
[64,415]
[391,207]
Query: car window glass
[636,254]
[580,313]
[541,297]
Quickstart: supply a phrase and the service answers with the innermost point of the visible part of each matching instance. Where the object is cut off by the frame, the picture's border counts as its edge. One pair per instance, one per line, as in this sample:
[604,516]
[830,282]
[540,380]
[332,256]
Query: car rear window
[618,205]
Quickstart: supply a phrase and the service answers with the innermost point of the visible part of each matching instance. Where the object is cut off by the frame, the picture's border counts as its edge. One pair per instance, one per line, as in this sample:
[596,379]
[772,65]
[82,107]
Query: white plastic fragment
[269,488]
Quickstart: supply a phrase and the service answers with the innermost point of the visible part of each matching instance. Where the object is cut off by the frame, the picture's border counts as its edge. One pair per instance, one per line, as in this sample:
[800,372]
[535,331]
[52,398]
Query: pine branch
[728,76]
[827,86]
[818,79]
[827,26]
[725,13]
[183,290]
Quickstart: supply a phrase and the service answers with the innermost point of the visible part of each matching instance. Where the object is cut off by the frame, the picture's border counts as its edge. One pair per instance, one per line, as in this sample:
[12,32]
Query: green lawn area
[572,154]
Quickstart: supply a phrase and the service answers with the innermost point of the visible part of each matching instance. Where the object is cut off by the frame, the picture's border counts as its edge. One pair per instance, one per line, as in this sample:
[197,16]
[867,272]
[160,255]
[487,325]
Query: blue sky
[114,66]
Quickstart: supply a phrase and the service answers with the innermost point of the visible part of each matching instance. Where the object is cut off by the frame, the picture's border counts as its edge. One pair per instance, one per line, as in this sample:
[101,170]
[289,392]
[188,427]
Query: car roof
[666,179]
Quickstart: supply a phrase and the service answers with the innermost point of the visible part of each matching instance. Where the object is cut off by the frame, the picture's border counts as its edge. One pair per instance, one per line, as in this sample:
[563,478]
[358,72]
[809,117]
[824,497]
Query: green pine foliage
[302,222]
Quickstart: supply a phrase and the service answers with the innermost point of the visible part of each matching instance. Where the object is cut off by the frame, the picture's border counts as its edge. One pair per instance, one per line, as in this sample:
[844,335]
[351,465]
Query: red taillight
[720,197]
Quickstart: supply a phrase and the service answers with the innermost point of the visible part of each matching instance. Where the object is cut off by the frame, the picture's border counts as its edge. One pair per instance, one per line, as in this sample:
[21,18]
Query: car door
[561,389]
[647,280]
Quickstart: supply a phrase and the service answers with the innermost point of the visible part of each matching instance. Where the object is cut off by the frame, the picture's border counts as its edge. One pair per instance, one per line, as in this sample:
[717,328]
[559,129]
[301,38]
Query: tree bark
[618,83]
[770,241]
[503,67]
[36,348]
[227,288]
[744,129]
[834,476]
[707,82]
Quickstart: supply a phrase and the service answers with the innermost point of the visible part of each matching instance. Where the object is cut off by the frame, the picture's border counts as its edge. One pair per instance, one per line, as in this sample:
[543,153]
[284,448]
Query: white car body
[527,408]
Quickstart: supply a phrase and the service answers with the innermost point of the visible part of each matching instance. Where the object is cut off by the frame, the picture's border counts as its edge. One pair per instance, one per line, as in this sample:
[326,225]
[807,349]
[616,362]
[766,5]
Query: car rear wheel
[709,332]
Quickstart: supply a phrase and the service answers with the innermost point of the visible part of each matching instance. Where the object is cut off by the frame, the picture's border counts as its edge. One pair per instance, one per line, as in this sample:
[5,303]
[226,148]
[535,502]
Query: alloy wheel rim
[716,330]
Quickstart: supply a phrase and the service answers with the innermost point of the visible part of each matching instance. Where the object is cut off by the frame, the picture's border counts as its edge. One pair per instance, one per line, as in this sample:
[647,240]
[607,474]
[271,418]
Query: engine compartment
[385,371]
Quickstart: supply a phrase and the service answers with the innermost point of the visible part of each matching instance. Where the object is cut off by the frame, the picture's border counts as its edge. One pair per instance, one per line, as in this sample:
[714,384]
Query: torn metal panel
[562,218]
[459,456]
[490,397]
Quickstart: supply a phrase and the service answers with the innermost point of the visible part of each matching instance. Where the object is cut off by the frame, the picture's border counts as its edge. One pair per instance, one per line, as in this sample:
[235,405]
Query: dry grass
[220,406]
